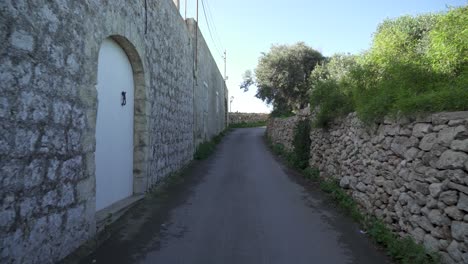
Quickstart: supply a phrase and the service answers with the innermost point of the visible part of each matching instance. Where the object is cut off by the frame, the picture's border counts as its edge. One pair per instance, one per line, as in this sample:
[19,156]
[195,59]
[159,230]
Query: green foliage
[403,250]
[404,40]
[282,75]
[329,84]
[448,47]
[311,173]
[301,144]
[281,110]
[278,149]
[205,149]
[246,125]
[415,65]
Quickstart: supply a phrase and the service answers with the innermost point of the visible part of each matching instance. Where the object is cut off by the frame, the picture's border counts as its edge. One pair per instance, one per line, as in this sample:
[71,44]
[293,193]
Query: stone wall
[281,130]
[48,107]
[236,118]
[210,92]
[412,173]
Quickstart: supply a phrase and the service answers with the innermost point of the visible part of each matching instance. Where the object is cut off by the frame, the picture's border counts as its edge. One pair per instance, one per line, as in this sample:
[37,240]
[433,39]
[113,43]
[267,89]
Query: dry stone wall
[236,118]
[412,173]
[48,107]
[281,130]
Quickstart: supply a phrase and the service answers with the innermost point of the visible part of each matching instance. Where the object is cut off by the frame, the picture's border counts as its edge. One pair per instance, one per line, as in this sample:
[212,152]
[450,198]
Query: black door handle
[124,98]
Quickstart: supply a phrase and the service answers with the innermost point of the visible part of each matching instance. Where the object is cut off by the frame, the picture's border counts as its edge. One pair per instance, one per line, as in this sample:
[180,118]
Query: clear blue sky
[248,27]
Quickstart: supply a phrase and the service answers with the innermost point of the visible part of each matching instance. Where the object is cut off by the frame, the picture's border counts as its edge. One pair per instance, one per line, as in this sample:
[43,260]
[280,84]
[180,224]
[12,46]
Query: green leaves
[282,76]
[448,47]
[415,65]
[329,85]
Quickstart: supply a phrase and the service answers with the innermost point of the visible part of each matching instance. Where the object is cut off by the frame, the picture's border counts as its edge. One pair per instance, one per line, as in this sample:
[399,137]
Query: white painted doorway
[114,126]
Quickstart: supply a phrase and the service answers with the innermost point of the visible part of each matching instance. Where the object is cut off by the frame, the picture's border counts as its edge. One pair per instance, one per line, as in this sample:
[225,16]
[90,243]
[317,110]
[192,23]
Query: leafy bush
[281,76]
[415,65]
[301,143]
[448,47]
[329,84]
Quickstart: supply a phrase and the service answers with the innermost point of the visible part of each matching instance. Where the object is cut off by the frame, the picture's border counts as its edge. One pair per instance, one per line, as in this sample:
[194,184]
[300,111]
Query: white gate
[114,128]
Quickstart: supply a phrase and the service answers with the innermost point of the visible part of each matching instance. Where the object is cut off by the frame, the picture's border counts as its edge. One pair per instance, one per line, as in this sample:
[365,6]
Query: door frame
[140,118]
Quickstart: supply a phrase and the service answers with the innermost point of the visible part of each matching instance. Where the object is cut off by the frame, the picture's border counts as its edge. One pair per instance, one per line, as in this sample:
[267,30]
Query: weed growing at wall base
[403,250]
[205,149]
[246,125]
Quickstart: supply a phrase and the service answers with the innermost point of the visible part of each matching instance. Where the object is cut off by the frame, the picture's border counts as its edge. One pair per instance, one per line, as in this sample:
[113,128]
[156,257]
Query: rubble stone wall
[412,173]
[236,118]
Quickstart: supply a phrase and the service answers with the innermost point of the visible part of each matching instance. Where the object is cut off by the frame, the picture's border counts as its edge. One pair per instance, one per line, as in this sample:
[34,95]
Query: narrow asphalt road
[239,206]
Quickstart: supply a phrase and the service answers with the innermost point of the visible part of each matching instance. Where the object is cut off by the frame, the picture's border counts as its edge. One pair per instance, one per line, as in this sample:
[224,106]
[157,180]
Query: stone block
[67,195]
[420,187]
[7,218]
[72,169]
[420,129]
[34,173]
[411,154]
[461,145]
[458,187]
[447,135]
[431,243]
[54,141]
[50,199]
[62,113]
[25,141]
[453,251]
[463,202]
[452,160]
[437,218]
[454,213]
[449,197]
[444,117]
[22,40]
[435,189]
[460,231]
[428,141]
[29,206]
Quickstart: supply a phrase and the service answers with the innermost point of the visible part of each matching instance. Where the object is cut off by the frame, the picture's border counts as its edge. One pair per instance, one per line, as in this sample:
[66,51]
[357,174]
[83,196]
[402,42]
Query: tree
[282,76]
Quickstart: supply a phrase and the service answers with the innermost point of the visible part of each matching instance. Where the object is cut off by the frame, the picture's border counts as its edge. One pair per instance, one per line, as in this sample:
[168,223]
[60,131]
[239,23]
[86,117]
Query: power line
[209,29]
[210,16]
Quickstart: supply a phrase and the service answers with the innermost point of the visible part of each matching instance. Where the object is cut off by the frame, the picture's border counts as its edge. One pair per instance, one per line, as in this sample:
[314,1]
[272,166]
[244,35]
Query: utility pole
[225,60]
[230,103]
[196,40]
[185,10]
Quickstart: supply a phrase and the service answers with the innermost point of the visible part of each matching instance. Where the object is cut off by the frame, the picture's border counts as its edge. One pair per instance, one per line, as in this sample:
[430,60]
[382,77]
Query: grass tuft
[205,149]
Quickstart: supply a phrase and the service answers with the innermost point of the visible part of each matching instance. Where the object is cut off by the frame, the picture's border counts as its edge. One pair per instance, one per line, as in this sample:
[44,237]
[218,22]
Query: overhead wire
[209,29]
[210,16]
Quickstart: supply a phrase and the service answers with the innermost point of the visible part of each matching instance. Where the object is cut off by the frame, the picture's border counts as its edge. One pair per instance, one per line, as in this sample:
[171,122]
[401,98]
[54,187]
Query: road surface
[239,206]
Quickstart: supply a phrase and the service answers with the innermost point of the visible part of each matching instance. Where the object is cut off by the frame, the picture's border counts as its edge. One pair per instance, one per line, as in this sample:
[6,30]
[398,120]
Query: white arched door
[114,127]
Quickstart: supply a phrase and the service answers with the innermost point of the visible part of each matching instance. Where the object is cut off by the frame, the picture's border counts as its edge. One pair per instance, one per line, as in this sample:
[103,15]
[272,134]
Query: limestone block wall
[412,173]
[210,92]
[48,108]
[236,118]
